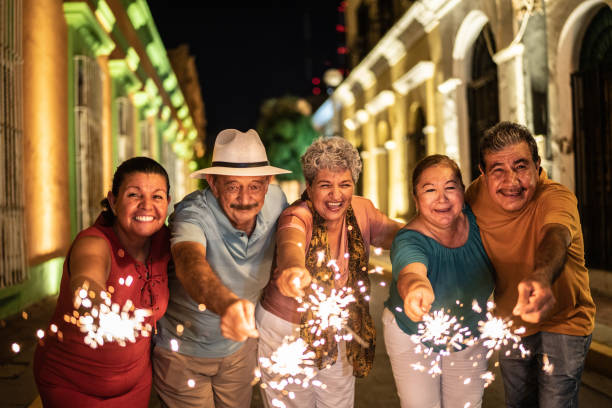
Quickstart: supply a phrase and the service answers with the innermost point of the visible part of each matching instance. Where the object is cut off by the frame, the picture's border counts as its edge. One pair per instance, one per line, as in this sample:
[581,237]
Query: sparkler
[291,363]
[107,321]
[329,311]
[442,329]
[498,332]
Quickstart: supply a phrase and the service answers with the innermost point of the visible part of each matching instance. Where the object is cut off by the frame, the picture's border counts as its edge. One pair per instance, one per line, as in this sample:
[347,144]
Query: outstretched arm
[205,287]
[416,291]
[535,297]
[89,267]
[294,276]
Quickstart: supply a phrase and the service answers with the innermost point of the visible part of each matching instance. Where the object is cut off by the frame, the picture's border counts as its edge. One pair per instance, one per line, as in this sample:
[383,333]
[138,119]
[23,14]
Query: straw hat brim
[239,171]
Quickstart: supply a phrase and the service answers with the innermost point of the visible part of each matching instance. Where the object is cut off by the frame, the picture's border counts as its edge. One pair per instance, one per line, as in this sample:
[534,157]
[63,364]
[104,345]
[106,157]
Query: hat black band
[239,165]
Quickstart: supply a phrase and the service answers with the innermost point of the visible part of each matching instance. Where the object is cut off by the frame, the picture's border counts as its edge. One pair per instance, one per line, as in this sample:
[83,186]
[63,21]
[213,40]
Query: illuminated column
[431,133]
[398,167]
[450,125]
[431,139]
[107,124]
[511,83]
[45,107]
[415,77]
[368,157]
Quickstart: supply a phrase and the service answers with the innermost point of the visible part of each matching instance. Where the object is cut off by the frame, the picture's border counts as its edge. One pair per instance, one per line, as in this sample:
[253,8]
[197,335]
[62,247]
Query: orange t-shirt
[511,240]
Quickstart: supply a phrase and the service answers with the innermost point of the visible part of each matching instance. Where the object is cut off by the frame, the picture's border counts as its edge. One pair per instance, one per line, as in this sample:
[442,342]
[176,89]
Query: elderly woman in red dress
[124,254]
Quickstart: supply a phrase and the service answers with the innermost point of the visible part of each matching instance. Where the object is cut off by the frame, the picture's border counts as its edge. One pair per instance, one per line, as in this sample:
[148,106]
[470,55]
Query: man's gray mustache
[243,207]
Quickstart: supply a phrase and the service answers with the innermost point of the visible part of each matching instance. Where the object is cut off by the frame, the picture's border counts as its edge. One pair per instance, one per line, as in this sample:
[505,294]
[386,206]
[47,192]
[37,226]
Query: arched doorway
[482,92]
[592,102]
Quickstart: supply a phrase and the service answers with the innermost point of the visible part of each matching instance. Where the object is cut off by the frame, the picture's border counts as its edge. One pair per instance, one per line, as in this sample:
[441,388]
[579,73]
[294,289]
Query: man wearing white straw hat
[222,244]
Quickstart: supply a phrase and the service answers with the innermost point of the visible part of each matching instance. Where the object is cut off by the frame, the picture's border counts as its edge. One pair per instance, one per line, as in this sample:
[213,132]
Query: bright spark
[548,367]
[488,377]
[497,332]
[16,348]
[329,310]
[291,363]
[107,321]
[320,257]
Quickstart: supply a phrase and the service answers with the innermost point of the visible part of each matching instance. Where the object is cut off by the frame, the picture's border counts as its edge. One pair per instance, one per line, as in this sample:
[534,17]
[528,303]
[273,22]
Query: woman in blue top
[438,263]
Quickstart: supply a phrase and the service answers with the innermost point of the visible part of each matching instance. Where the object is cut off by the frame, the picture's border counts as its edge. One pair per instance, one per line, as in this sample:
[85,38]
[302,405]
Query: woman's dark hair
[133,165]
[434,160]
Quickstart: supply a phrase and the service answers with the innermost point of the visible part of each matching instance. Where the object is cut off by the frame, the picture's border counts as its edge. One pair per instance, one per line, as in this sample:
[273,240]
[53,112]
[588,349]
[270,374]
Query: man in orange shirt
[531,230]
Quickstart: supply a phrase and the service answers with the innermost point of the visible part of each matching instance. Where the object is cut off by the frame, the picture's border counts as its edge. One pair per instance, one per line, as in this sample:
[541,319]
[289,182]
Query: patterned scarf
[359,320]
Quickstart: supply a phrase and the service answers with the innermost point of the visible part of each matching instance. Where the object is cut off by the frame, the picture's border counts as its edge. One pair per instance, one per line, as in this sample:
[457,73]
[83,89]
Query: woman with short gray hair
[332,153]
[324,239]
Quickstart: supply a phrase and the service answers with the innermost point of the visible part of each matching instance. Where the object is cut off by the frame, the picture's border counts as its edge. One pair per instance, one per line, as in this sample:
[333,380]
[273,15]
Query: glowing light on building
[362,116]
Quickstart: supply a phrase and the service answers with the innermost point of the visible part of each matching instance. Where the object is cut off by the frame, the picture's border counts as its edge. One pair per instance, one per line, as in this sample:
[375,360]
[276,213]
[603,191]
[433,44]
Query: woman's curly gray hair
[333,153]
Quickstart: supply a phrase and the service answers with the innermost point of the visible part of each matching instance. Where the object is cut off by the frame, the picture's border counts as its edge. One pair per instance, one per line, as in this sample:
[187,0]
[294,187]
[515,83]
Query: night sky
[246,55]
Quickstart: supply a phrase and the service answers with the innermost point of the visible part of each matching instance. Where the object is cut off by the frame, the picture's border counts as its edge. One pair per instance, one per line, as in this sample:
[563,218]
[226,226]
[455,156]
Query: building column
[511,84]
[368,156]
[45,111]
[398,166]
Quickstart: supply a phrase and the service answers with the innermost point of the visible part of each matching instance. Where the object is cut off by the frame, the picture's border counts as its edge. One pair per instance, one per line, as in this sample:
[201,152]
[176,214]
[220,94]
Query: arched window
[483,103]
[592,102]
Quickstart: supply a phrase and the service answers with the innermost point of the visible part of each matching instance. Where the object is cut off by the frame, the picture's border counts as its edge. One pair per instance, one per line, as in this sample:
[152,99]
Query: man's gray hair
[505,134]
[333,153]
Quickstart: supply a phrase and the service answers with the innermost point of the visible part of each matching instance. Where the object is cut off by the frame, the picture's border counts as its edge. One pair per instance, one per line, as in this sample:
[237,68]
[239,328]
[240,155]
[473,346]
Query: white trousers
[460,384]
[339,379]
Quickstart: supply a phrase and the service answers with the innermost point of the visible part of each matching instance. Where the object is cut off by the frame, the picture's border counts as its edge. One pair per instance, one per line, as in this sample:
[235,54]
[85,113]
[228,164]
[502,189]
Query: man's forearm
[199,280]
[551,253]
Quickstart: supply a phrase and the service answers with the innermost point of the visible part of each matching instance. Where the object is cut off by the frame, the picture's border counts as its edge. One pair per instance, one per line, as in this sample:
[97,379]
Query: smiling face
[331,193]
[511,176]
[439,196]
[240,197]
[140,206]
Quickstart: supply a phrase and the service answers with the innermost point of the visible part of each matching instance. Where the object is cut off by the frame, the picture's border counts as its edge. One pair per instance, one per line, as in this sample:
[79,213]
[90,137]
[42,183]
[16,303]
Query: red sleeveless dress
[70,373]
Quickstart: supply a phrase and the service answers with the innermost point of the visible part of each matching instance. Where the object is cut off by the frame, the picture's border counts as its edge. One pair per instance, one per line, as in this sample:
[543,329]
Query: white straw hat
[239,154]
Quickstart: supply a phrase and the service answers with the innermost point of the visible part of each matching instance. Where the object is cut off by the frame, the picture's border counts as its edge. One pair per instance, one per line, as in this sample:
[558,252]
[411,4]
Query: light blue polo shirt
[241,262]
